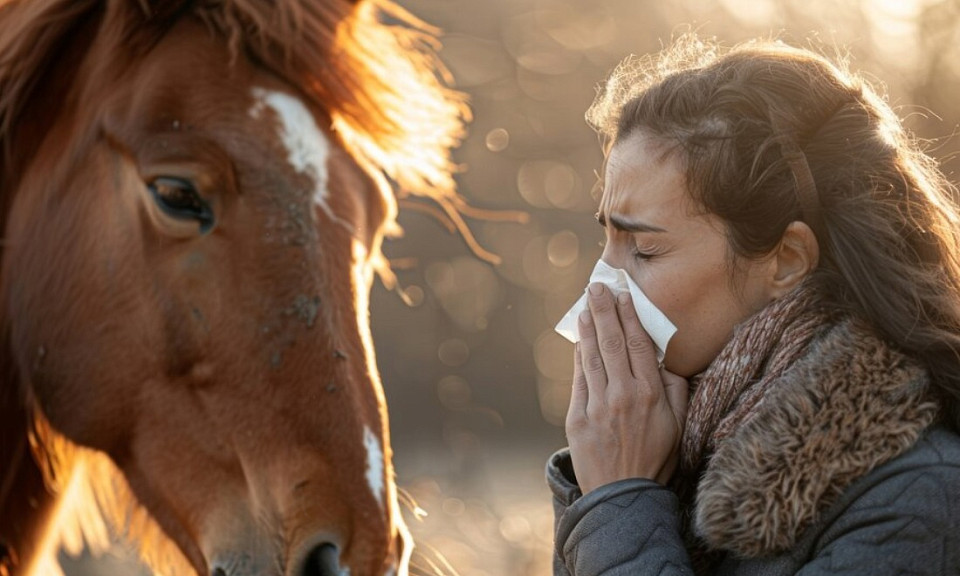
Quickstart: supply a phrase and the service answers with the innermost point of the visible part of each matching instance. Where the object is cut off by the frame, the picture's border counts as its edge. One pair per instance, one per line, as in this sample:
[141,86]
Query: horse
[193,200]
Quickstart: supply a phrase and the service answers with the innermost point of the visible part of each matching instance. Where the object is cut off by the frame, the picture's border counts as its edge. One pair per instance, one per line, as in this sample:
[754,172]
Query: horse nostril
[324,560]
[219,572]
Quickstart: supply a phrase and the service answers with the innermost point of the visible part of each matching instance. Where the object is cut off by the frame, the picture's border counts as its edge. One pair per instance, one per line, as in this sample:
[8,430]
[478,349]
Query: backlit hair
[769,134]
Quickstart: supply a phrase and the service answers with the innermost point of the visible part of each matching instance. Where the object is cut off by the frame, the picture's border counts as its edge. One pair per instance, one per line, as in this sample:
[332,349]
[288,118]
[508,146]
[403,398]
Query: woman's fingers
[626,416]
[577,410]
[677,390]
[640,348]
[591,363]
[610,339]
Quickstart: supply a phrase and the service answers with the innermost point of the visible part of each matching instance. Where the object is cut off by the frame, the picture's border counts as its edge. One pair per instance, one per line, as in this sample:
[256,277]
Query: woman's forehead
[642,176]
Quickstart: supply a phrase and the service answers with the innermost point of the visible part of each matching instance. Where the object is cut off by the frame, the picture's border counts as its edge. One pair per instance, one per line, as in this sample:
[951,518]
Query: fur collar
[850,404]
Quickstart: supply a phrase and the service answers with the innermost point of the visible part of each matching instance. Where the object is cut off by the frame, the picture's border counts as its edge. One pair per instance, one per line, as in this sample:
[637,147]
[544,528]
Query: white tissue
[660,329]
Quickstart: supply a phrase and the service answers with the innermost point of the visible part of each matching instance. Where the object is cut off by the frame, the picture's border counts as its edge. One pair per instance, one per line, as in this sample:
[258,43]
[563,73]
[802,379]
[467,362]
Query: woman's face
[678,255]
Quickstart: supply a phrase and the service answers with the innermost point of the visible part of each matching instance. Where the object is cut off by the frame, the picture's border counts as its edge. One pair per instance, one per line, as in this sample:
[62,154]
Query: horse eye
[178,198]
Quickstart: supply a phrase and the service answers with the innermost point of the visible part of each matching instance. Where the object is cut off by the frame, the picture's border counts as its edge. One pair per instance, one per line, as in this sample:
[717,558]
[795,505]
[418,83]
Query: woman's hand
[626,414]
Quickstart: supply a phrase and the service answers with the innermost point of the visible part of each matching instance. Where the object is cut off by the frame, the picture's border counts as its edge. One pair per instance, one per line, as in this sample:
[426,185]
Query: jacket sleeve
[909,523]
[626,527]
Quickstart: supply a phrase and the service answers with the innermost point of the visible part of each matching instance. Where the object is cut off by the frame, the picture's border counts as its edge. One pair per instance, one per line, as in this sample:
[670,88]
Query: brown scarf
[736,434]
[761,349]
[729,390]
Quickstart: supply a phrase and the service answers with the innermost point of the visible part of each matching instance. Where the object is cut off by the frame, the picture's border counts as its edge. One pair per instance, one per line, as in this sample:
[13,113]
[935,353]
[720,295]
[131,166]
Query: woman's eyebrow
[627,225]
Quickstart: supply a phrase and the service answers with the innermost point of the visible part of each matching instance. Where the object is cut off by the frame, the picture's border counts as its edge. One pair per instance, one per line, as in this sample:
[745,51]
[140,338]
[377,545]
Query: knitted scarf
[760,351]
[754,408]
[730,390]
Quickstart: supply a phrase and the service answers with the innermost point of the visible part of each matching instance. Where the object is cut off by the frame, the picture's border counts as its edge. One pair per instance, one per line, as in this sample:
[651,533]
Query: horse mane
[96,506]
[372,65]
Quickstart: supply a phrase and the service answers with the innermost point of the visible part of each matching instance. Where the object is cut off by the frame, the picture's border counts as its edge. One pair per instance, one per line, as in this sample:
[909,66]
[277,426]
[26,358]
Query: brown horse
[193,195]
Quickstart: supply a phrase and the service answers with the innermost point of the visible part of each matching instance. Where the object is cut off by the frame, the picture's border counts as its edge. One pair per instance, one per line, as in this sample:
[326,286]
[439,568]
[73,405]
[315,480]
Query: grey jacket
[902,518]
[840,472]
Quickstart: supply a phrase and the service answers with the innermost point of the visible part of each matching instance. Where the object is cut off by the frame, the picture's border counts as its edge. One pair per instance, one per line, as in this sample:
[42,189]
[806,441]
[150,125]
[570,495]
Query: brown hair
[767,135]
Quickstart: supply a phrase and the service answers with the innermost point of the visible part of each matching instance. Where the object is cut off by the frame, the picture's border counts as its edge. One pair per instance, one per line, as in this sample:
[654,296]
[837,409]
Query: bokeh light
[454,392]
[453,352]
[563,249]
[497,140]
[467,289]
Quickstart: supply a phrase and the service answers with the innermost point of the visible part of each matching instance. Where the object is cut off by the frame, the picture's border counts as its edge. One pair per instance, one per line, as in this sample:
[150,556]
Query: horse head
[194,194]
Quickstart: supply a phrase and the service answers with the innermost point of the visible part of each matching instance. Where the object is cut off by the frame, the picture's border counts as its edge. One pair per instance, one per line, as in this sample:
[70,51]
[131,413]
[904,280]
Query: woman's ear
[795,258]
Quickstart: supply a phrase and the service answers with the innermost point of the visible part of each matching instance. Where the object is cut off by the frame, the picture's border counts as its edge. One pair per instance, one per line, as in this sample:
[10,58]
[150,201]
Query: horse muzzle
[321,560]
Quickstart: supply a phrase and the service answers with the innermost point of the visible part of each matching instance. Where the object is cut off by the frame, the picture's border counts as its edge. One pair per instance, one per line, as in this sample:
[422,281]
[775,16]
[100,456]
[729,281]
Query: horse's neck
[25,504]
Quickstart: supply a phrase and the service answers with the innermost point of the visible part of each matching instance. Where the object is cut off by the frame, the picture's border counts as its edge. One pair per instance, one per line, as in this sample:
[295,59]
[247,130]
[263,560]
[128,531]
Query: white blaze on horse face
[374,464]
[307,146]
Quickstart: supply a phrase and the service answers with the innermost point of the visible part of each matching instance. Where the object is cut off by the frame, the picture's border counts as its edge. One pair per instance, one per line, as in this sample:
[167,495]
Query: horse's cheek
[75,332]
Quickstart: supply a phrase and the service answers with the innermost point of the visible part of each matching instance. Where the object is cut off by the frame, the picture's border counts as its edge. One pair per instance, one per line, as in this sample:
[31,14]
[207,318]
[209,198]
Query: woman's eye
[642,255]
[178,198]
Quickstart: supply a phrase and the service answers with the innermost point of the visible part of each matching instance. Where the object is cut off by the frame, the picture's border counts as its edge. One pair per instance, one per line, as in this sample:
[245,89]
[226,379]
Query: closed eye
[643,256]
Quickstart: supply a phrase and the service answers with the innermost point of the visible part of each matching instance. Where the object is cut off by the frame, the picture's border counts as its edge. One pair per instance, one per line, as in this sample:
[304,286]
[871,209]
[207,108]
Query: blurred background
[476,380]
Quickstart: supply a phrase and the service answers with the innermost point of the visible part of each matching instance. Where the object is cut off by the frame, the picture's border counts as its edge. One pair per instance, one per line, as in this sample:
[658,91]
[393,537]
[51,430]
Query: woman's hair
[767,135]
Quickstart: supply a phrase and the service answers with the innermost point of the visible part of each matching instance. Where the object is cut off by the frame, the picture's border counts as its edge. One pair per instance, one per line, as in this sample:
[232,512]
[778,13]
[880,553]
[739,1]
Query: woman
[773,208]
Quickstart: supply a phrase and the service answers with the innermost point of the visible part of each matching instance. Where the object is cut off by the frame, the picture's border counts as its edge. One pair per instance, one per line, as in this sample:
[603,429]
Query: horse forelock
[371,65]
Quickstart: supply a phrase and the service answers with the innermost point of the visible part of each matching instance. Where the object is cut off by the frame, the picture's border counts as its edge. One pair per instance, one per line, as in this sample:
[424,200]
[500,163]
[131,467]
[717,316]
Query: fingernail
[585,317]
[623,297]
[596,289]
